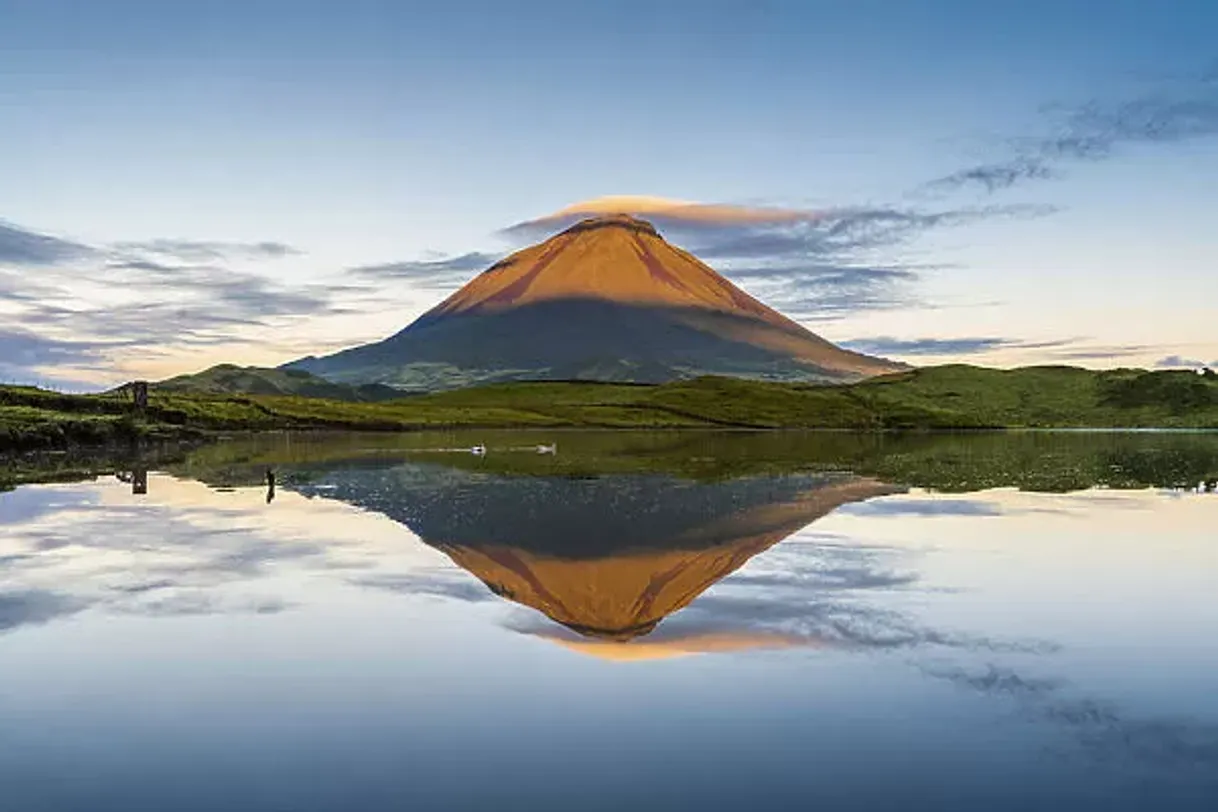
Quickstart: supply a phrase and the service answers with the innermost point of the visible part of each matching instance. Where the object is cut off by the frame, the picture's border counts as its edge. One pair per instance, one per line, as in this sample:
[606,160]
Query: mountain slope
[607,299]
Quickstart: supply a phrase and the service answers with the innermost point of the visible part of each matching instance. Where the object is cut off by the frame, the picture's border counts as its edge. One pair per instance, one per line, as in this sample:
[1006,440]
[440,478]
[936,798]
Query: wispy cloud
[196,251]
[439,582]
[90,308]
[445,272]
[887,345]
[661,210]
[25,355]
[22,247]
[1096,131]
[21,348]
[1179,362]
[827,292]
[1102,728]
[1101,352]
[898,507]
[18,286]
[34,606]
[174,558]
[1063,350]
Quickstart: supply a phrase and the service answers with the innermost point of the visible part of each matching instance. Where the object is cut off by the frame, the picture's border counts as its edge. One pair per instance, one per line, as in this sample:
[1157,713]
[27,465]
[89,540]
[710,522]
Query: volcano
[608,299]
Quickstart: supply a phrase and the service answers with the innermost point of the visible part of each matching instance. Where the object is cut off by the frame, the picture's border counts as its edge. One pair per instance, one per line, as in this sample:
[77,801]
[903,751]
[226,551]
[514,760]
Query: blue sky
[184,183]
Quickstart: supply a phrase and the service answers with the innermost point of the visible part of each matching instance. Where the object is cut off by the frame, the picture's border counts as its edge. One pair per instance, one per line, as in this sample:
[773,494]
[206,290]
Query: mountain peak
[623,221]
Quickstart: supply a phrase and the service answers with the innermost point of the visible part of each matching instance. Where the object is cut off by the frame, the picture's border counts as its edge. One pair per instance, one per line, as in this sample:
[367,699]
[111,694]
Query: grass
[935,398]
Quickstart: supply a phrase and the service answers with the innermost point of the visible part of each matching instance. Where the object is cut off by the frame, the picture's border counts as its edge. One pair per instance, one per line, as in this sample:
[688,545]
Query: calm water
[635,622]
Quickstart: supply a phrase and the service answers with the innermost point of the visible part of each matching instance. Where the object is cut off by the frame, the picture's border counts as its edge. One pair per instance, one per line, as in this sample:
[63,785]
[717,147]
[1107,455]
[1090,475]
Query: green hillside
[937,398]
[228,379]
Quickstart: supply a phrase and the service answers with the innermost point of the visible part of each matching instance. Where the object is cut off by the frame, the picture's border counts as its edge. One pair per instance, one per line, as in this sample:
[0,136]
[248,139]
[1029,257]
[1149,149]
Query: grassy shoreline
[949,398]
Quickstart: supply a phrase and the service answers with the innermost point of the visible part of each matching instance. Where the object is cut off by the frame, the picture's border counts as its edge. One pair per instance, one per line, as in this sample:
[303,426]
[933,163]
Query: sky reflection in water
[415,635]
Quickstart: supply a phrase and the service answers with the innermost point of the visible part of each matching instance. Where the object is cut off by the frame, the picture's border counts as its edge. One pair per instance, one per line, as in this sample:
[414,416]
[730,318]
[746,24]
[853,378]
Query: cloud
[241,295]
[1103,352]
[438,583]
[19,348]
[61,555]
[34,606]
[1178,362]
[104,336]
[817,592]
[19,246]
[659,210]
[826,292]
[892,507]
[196,251]
[1101,728]
[23,354]
[1050,350]
[90,303]
[887,345]
[1097,131]
[434,273]
[197,603]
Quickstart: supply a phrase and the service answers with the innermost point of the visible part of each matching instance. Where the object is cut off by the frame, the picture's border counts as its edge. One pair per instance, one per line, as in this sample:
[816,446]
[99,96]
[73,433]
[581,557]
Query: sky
[1001,183]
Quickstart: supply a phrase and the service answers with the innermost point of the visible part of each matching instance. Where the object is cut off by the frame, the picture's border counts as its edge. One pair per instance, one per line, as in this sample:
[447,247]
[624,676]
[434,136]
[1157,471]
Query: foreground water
[635,621]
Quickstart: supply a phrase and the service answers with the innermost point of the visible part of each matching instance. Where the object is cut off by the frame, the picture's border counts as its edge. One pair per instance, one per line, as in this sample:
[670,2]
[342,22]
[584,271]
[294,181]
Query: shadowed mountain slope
[607,299]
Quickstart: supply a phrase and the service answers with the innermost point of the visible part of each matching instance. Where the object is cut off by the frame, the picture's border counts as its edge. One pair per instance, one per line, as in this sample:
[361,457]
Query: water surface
[647,621]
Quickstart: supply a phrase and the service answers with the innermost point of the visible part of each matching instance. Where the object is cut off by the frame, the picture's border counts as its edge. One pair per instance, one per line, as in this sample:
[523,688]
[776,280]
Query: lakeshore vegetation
[953,397]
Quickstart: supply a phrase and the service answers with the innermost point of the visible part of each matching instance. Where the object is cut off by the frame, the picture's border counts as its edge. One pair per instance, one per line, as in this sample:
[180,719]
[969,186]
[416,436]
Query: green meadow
[956,397]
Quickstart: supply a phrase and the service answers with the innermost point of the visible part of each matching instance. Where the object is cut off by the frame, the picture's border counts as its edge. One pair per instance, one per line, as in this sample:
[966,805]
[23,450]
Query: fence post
[139,395]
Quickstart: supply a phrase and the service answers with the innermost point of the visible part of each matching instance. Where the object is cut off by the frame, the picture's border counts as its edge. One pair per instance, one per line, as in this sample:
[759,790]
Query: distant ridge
[229,379]
[606,299]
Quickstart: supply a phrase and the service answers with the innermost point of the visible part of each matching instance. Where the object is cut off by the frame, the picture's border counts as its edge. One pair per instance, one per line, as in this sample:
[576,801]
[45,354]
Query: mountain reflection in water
[606,557]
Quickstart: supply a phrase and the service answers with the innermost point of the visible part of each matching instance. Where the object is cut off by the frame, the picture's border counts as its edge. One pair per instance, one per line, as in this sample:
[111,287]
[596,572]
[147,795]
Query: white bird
[548,449]
[478,450]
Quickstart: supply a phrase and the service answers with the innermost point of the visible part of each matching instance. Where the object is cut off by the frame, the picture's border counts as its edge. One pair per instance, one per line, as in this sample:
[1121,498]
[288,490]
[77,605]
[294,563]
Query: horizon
[1012,185]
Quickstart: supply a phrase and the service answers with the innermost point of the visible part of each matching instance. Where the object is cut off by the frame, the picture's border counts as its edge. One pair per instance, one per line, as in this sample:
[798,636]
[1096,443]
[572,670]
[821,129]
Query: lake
[622,621]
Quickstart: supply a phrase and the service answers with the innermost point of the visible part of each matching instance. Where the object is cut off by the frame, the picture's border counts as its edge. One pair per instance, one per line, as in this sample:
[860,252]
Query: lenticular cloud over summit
[664,211]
